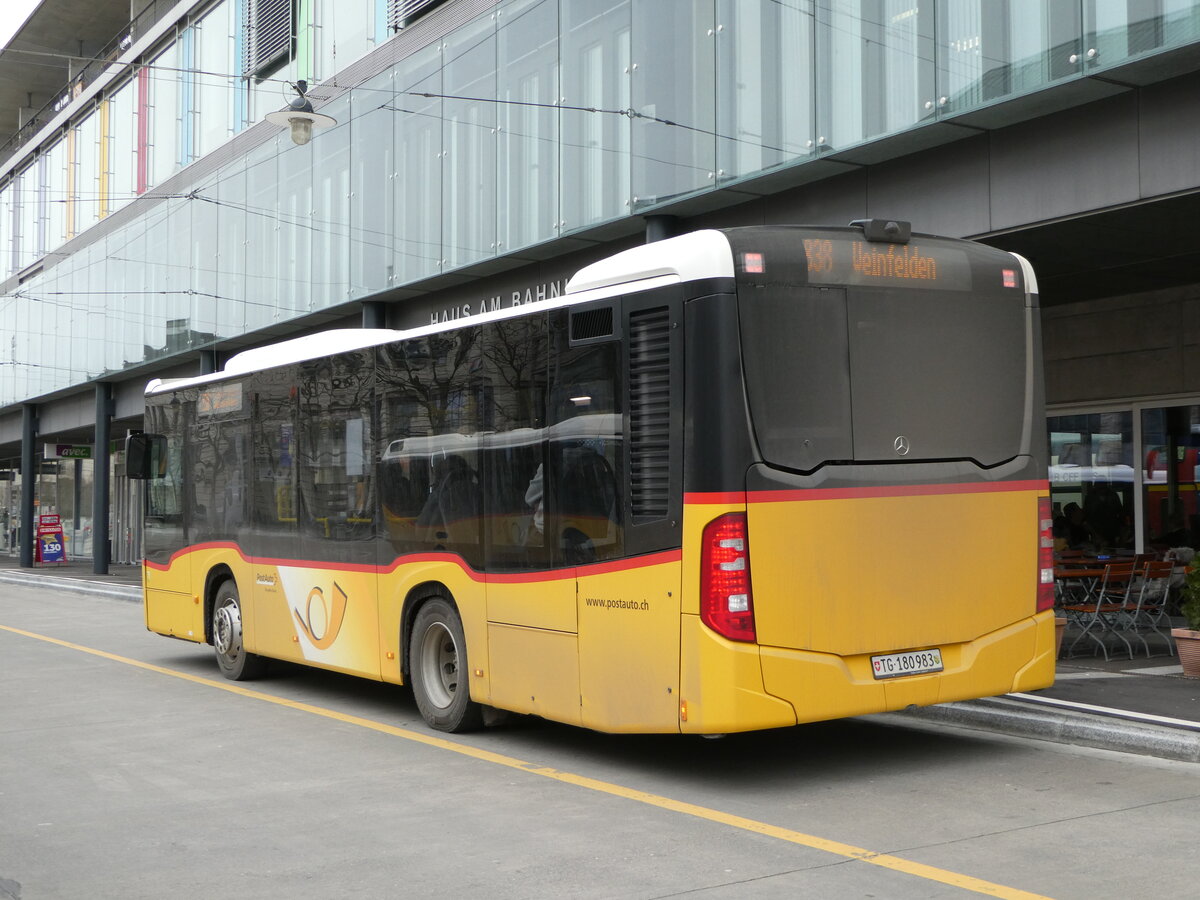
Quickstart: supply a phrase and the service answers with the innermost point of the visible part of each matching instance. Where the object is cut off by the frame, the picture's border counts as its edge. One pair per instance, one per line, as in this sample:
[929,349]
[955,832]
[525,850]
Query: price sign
[50,546]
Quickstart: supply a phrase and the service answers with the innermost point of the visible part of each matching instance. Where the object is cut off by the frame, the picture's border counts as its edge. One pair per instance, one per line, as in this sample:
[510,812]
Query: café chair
[1102,611]
[1149,605]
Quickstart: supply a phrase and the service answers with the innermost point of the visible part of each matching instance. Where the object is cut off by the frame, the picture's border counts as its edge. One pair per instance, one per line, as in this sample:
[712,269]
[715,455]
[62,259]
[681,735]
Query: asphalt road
[129,768]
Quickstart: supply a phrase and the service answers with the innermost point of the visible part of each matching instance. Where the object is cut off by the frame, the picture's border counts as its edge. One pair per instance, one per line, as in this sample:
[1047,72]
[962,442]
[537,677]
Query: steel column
[100,498]
[28,481]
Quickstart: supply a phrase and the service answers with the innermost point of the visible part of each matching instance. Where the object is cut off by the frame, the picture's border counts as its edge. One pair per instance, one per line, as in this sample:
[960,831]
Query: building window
[268,29]
[402,13]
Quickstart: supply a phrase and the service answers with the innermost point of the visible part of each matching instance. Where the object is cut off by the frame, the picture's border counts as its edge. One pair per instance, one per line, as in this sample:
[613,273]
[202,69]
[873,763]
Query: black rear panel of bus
[859,352]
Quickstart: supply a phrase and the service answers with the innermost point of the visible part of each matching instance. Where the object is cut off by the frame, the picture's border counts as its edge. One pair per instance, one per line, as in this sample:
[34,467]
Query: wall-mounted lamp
[299,116]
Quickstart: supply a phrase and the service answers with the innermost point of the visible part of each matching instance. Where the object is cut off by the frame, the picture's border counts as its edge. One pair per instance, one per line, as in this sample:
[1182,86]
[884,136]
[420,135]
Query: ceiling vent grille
[592,323]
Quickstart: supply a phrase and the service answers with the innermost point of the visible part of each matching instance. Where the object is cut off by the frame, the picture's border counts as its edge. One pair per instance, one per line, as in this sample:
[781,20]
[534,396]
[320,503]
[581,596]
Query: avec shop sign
[67,451]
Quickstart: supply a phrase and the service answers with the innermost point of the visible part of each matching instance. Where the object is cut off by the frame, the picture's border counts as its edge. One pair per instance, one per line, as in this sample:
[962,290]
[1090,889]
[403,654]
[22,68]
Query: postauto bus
[737,479]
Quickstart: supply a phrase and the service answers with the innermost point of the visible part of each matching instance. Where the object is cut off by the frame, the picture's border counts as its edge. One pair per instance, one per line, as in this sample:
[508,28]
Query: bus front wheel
[438,665]
[235,663]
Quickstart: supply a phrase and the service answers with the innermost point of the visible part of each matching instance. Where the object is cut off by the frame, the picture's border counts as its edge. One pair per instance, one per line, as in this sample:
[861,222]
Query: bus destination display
[840,260]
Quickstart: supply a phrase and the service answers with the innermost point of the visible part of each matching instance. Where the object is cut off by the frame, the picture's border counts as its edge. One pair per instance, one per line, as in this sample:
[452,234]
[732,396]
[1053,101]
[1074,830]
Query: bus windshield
[845,365]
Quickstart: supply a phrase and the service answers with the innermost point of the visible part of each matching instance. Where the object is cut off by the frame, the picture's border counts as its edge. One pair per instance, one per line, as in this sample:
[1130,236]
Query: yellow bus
[733,480]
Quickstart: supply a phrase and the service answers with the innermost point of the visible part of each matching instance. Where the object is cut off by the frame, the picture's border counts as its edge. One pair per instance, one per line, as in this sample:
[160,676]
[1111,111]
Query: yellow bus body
[838,577]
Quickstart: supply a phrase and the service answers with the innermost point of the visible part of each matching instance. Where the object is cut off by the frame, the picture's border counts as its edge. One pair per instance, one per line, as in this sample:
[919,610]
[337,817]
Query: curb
[1025,719]
[128,592]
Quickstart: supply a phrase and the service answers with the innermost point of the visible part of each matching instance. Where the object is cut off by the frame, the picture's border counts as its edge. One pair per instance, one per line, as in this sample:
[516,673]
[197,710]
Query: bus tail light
[726,603]
[1045,588]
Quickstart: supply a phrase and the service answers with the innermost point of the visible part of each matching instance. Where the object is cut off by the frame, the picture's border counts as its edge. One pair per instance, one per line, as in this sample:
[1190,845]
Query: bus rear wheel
[235,663]
[437,654]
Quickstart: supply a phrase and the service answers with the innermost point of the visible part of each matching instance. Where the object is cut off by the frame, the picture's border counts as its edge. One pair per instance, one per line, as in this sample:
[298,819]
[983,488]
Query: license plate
[916,662]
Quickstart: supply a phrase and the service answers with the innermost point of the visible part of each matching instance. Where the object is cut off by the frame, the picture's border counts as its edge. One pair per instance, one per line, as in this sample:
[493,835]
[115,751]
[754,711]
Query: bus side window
[429,461]
[513,407]
[336,486]
[274,472]
[587,454]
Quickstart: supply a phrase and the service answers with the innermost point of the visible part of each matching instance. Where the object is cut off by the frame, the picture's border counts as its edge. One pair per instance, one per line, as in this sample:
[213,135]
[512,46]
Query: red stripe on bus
[722,497]
[532,577]
[868,493]
[193,548]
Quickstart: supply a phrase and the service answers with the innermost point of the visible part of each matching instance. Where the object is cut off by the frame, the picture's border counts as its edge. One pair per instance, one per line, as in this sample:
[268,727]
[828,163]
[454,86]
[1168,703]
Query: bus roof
[689,257]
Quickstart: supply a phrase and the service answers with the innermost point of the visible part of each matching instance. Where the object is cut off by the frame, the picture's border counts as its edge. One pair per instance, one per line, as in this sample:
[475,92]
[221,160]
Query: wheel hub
[439,661]
[227,636]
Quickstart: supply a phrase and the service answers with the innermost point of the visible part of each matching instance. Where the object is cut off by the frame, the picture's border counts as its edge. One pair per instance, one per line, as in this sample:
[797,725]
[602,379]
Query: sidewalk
[123,582]
[1136,706]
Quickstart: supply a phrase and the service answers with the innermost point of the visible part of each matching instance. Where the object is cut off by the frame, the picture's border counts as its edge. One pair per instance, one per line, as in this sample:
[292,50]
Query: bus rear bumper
[825,686]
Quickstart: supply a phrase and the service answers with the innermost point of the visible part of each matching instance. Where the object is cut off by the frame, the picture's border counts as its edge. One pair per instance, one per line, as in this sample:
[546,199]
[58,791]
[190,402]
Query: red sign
[49,546]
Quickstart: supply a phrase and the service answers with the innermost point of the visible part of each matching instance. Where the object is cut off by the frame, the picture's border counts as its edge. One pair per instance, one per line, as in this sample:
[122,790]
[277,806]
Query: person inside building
[1075,529]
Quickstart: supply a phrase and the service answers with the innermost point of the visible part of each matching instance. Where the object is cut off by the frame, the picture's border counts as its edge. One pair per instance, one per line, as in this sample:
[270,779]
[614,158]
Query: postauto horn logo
[322,619]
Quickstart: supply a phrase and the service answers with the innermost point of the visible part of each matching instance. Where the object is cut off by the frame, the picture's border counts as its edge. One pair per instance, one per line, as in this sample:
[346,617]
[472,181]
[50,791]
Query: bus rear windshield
[877,374]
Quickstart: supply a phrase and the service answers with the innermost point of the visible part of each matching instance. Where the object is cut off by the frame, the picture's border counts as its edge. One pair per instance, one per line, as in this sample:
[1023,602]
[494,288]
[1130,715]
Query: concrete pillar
[374,314]
[660,227]
[29,476]
[209,362]
[78,492]
[100,490]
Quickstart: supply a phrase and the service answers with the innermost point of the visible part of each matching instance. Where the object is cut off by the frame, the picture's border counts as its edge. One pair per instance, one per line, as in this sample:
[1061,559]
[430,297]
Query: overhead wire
[325,227]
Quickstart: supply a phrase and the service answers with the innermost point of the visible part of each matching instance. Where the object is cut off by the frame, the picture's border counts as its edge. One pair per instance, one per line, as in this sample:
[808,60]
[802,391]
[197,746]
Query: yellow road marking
[885,860]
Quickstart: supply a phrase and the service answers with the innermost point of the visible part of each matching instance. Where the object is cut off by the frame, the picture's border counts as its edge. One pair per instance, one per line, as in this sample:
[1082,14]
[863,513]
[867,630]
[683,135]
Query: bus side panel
[545,602]
[170,606]
[629,646]
[535,671]
[533,650]
[317,615]
[175,596]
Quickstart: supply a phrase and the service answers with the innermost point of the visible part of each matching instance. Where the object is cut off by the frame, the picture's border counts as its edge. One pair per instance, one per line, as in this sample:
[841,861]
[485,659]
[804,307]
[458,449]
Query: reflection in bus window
[275,451]
[586,455]
[166,507]
[515,356]
[336,492]
[429,467]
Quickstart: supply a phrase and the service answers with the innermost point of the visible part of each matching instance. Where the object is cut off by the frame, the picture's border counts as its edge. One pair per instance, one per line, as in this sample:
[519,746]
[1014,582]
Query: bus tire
[437,661]
[235,663]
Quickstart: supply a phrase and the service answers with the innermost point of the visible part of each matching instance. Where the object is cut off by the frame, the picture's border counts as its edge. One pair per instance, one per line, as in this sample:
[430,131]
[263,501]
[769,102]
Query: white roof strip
[690,257]
[311,346]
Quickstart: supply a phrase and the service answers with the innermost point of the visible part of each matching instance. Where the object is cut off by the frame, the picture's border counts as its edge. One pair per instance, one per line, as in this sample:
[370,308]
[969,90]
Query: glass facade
[1127,479]
[1092,480]
[537,119]
[1170,476]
